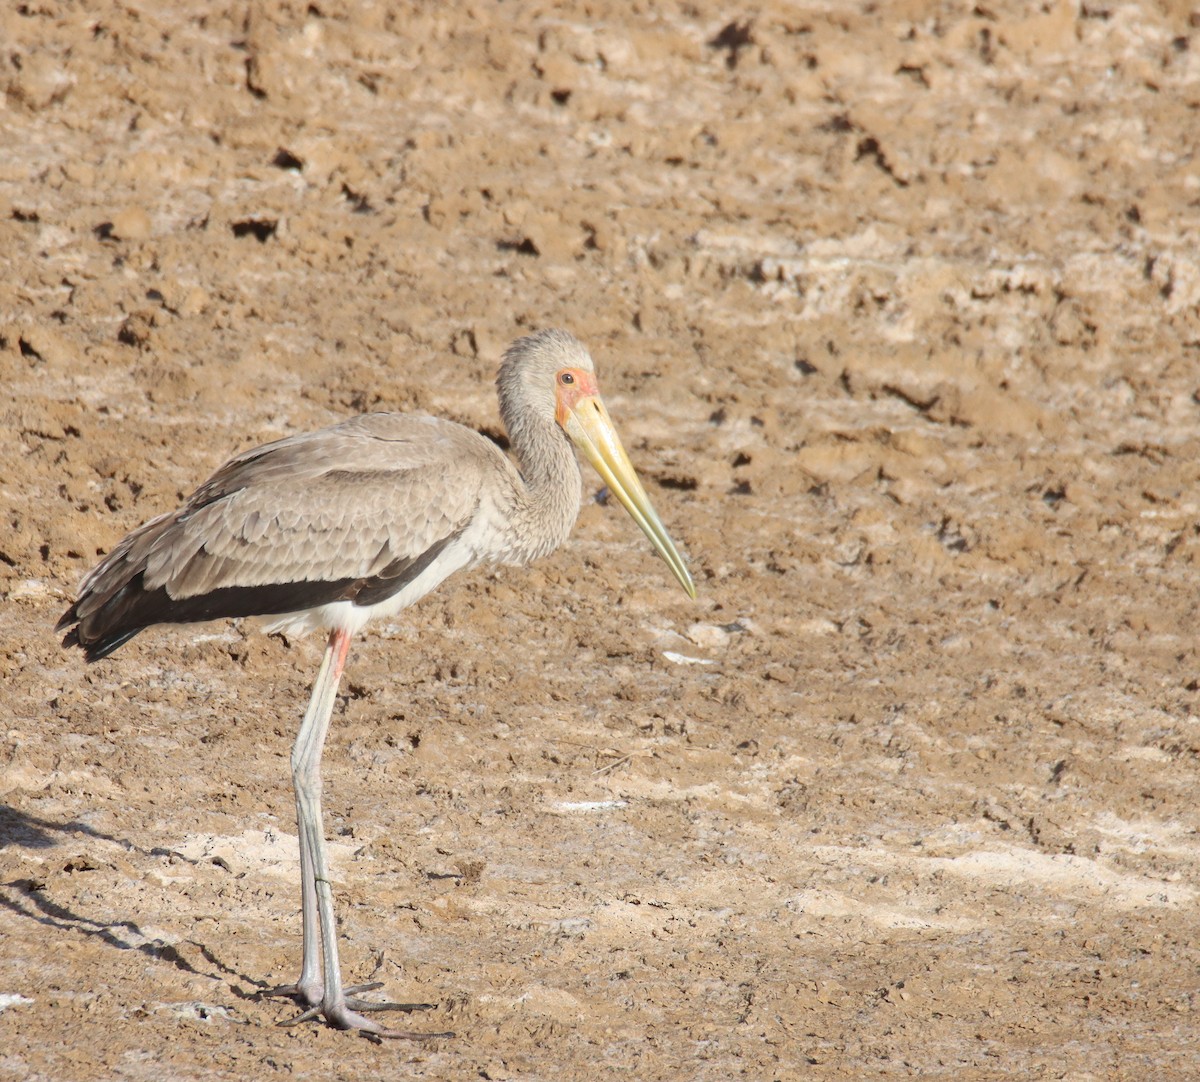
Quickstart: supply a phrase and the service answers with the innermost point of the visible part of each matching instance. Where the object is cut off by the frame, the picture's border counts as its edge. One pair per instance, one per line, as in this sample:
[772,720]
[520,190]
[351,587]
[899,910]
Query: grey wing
[357,503]
[355,513]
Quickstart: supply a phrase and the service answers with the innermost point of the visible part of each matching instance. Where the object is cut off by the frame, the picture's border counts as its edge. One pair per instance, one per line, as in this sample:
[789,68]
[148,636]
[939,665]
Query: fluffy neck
[546,502]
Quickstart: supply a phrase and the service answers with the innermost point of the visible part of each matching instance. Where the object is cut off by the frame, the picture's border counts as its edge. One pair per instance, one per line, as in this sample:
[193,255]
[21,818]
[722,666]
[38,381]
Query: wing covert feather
[342,503]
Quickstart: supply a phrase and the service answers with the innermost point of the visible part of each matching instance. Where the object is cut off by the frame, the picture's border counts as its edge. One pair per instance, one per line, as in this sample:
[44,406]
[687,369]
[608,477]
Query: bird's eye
[566,377]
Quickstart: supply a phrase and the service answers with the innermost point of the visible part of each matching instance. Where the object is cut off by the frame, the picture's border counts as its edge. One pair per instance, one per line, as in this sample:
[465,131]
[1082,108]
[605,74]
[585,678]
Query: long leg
[310,988]
[325,996]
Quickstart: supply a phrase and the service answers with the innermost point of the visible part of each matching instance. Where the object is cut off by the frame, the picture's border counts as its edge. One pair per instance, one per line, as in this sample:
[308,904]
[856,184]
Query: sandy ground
[898,308]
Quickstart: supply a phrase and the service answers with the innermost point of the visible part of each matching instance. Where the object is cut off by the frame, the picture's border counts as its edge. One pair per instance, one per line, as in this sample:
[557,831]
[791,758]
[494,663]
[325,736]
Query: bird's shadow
[32,832]
[29,897]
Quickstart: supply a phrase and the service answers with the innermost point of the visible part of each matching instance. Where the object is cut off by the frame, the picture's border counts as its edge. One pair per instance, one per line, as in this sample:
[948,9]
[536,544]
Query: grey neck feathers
[547,504]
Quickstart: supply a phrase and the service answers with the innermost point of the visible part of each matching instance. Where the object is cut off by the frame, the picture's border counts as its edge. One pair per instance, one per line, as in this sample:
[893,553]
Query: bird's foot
[347,1011]
[304,994]
[346,1015]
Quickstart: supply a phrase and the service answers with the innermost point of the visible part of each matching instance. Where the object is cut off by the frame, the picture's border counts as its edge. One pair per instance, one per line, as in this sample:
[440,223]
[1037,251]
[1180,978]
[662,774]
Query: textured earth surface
[898,308]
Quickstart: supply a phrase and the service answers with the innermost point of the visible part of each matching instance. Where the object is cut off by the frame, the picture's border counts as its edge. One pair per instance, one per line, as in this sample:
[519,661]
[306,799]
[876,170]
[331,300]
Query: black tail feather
[102,640]
[100,648]
[115,604]
[132,608]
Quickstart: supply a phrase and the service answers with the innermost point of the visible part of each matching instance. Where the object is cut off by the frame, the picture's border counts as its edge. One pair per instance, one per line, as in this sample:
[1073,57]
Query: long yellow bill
[588,424]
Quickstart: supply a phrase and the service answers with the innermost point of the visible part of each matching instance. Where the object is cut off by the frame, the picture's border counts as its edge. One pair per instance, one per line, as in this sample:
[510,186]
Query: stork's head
[550,375]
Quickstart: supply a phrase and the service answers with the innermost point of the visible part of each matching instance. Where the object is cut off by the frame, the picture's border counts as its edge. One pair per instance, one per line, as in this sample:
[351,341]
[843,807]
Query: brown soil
[899,311]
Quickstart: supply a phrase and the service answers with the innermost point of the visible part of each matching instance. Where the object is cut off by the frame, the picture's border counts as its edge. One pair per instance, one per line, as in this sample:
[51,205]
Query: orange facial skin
[572,386]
